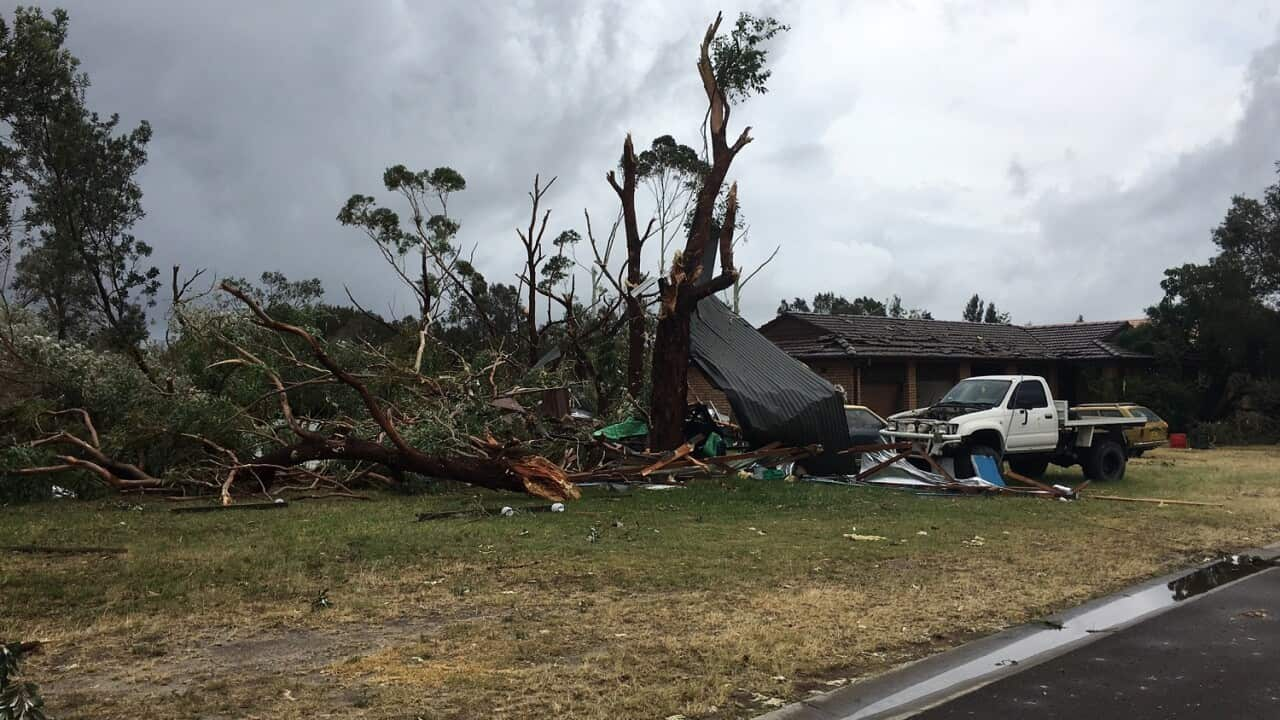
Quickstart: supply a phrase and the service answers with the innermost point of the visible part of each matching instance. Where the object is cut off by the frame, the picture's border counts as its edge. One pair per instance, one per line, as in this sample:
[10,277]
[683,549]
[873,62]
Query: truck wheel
[965,468]
[1105,461]
[1033,466]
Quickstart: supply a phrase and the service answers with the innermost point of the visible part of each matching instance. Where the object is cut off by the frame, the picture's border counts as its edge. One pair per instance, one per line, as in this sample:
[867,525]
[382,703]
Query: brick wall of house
[701,390]
[838,372]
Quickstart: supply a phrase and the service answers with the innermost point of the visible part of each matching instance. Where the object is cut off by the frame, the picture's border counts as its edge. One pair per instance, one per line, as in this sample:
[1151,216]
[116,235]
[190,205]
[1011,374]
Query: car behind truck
[1014,418]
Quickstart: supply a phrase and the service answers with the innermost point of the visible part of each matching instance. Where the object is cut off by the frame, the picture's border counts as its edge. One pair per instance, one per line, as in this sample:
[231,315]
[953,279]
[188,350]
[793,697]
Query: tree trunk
[532,268]
[527,474]
[670,372]
[635,244]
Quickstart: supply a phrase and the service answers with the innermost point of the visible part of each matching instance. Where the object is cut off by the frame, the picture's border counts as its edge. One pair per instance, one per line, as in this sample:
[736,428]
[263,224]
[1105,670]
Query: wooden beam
[898,446]
[881,465]
[1157,501]
[1034,483]
[676,454]
[938,468]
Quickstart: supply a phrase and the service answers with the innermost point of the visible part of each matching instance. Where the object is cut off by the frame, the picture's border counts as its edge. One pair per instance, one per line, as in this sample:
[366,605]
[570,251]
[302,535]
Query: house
[891,364]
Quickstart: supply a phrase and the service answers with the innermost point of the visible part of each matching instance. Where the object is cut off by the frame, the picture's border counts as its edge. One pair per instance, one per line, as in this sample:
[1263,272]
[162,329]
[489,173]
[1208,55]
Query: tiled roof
[1083,339]
[821,335]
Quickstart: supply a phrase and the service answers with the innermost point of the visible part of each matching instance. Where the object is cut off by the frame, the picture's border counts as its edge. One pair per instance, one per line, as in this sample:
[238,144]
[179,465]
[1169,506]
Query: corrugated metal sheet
[774,396]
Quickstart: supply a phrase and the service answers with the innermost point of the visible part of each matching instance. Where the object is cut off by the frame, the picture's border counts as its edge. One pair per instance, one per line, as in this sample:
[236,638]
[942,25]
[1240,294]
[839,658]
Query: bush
[1243,428]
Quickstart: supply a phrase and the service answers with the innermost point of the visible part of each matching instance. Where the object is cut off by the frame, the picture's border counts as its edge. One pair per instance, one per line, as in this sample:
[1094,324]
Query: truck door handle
[1048,416]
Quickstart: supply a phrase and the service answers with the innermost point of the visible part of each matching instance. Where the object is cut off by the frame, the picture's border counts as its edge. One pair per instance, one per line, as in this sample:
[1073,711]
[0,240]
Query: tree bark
[635,244]
[530,474]
[667,409]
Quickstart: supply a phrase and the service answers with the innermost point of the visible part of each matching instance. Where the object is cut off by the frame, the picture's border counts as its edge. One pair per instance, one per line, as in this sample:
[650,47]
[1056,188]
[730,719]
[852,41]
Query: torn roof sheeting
[774,396]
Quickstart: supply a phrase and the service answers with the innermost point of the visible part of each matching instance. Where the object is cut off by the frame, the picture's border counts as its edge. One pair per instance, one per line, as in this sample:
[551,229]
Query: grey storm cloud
[893,153]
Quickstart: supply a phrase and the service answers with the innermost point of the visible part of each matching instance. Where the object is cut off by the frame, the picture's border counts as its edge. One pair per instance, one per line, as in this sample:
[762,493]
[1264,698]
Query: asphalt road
[1216,657]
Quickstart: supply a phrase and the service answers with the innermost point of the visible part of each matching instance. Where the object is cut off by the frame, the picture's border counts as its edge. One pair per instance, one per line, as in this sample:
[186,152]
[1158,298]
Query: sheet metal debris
[899,466]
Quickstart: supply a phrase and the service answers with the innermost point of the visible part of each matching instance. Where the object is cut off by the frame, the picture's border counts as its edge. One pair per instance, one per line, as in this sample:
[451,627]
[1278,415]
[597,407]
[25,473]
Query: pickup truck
[1014,418]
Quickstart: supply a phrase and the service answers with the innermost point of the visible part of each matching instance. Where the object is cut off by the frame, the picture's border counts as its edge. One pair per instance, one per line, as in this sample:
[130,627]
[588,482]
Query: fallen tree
[89,456]
[493,465]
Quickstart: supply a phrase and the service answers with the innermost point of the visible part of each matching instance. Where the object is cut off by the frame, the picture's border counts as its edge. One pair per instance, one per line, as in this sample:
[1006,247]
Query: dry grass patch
[715,601]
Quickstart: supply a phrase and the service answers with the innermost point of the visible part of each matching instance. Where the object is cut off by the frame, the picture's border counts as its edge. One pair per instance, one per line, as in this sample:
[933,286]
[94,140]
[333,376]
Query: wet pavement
[1096,654]
[1214,658]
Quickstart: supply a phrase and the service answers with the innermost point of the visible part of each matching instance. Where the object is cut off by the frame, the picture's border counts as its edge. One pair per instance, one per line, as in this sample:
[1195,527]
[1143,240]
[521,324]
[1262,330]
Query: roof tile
[872,336]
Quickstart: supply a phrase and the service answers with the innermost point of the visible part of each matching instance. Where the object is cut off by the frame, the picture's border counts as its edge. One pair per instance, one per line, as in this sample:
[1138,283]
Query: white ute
[1015,418]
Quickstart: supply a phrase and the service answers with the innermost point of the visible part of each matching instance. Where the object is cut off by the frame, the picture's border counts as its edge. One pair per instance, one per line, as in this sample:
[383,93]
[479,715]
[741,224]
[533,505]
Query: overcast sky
[1053,156]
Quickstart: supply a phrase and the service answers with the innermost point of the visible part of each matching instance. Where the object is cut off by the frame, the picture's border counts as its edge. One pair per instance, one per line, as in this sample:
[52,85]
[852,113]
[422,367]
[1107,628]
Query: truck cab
[1013,417]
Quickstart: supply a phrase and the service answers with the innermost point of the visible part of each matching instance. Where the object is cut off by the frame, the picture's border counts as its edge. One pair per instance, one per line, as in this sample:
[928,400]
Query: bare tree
[586,326]
[671,171]
[741,281]
[635,277]
[534,256]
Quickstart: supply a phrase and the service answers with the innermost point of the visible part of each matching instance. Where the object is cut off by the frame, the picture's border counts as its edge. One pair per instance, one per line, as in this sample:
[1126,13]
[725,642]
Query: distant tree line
[973,312]
[829,303]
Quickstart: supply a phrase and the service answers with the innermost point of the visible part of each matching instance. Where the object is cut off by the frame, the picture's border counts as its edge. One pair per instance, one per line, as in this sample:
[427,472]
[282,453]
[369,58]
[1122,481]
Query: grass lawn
[715,601]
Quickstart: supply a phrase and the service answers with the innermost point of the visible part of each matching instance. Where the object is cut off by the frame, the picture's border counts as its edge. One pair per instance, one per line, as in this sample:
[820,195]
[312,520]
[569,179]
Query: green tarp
[623,430]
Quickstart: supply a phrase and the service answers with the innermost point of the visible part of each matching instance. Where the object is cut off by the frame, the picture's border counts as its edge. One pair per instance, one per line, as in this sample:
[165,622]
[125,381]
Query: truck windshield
[985,393]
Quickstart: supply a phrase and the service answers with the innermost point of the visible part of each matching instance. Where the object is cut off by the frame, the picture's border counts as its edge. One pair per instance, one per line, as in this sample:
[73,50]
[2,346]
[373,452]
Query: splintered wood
[625,465]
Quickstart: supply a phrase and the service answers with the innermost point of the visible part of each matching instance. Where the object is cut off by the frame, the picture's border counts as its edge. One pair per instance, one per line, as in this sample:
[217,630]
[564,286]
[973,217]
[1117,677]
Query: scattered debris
[864,538]
[321,601]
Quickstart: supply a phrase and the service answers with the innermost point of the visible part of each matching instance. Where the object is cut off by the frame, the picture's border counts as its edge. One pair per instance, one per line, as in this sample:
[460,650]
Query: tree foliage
[672,172]
[974,312]
[74,173]
[1215,334]
[830,303]
[1249,239]
[741,57]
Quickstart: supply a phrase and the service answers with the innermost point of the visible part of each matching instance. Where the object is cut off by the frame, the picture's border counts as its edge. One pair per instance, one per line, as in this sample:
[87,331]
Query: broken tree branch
[497,468]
